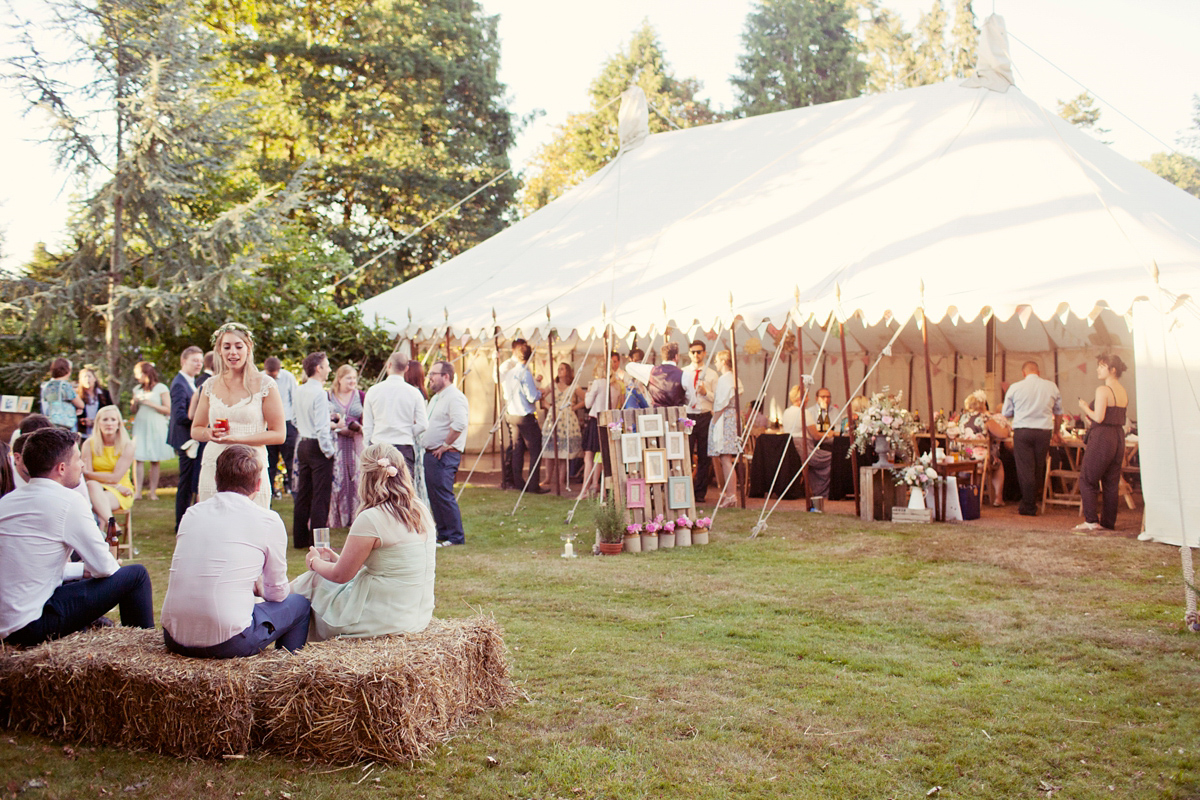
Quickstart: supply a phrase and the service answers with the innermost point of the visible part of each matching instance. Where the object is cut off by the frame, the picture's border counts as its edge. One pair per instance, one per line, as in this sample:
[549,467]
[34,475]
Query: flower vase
[649,542]
[683,537]
[633,543]
[916,497]
[700,536]
[666,540]
[882,449]
[610,548]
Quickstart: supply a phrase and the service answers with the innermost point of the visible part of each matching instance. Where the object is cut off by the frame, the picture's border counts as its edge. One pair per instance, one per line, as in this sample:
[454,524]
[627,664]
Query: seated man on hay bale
[43,595]
[225,545]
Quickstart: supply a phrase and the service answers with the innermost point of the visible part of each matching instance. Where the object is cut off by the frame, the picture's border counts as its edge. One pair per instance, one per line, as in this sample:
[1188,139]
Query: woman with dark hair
[1105,450]
[94,397]
[151,406]
[382,582]
[59,401]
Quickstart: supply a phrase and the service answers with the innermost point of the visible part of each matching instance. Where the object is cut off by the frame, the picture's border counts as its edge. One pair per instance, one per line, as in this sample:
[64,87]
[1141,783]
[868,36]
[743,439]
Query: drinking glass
[320,537]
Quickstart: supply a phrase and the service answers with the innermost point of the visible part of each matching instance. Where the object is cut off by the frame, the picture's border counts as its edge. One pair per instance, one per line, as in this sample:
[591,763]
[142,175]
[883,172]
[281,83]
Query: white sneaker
[1086,527]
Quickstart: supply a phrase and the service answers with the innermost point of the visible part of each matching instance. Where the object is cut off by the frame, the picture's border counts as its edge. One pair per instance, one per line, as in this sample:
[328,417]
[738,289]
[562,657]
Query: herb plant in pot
[610,527]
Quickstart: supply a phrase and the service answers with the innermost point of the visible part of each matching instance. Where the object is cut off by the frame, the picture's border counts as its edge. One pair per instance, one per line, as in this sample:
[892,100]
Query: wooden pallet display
[656,494]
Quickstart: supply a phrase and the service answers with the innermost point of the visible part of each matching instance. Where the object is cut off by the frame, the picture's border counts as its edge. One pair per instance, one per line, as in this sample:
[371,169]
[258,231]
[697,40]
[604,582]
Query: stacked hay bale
[387,699]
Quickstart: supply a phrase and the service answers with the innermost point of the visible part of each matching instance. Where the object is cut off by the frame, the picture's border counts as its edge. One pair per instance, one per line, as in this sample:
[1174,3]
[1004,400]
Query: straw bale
[120,687]
[390,698]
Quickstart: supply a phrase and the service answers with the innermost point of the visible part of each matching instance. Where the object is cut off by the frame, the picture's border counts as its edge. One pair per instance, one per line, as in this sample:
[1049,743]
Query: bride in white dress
[247,399]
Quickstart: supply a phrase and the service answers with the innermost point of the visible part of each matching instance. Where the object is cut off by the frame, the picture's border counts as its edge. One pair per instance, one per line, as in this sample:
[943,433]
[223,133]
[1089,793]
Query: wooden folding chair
[1068,492]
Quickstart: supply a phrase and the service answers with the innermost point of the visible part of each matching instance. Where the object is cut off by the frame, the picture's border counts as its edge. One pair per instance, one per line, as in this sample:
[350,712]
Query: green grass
[826,658]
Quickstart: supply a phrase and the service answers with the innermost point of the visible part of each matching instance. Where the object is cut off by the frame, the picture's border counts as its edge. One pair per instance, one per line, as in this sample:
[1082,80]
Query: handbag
[968,501]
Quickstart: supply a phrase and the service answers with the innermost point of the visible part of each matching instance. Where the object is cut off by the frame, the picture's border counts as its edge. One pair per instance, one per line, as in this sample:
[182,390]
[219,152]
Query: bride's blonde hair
[251,381]
[384,481]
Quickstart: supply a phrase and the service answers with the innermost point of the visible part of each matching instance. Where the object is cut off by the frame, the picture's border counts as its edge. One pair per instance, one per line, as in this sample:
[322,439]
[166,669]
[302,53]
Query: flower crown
[235,327]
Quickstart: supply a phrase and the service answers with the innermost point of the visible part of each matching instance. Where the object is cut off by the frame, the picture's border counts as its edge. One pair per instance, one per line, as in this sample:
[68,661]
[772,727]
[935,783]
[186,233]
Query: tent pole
[911,358]
[553,408]
[803,416]
[496,395]
[989,369]
[937,496]
[738,463]
[1056,366]
[849,417]
[954,386]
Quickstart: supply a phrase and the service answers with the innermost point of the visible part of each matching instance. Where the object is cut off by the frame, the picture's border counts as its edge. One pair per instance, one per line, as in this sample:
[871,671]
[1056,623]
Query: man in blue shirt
[1035,407]
[520,396]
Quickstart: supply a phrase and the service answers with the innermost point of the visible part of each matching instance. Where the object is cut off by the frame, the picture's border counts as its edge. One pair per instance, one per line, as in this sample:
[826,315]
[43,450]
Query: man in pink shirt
[229,549]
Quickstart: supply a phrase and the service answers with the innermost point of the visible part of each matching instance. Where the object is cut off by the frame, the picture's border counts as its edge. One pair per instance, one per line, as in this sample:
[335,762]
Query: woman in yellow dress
[107,457]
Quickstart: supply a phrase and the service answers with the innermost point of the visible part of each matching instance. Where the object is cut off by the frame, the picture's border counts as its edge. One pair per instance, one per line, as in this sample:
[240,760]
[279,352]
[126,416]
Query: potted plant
[700,531]
[886,426]
[633,538]
[610,527]
[666,535]
[683,531]
[650,536]
[917,476]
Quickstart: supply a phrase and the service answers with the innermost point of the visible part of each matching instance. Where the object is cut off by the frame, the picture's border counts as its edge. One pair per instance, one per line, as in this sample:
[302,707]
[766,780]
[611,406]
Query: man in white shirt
[394,412]
[506,443]
[699,386]
[444,442]
[40,524]
[314,452]
[1034,405]
[520,414]
[286,382]
[31,423]
[225,546]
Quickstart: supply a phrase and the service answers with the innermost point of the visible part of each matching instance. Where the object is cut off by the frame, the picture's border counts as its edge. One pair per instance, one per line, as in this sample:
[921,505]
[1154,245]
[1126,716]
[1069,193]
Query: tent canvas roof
[958,199]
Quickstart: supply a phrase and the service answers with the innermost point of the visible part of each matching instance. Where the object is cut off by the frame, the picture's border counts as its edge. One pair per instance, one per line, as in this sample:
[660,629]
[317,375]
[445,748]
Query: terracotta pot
[699,536]
[610,548]
[683,537]
[649,542]
[666,540]
[633,543]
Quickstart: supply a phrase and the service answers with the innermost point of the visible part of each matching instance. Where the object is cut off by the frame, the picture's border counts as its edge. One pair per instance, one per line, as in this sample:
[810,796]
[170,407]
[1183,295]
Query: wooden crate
[906,514]
[656,494]
[878,492]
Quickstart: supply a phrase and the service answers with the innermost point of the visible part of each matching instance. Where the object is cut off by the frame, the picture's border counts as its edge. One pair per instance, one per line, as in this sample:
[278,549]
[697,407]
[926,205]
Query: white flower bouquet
[885,417]
[919,474]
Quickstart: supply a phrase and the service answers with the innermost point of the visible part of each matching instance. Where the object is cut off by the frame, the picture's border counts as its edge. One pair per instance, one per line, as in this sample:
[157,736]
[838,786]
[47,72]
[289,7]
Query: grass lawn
[827,658]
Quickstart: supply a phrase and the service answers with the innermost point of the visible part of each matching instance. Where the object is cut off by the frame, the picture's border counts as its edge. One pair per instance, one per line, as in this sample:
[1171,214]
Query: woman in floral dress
[346,410]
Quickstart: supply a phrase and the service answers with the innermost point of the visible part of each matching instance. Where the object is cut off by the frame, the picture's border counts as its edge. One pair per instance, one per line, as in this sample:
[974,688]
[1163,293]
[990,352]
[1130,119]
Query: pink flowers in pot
[634,529]
[704,523]
[683,521]
[652,527]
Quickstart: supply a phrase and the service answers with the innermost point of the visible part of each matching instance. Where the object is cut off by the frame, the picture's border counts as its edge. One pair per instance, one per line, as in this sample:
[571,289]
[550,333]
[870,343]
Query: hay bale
[120,687]
[390,698]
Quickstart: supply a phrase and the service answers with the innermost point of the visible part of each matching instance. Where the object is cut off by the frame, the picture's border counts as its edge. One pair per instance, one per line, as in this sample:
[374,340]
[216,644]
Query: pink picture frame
[635,493]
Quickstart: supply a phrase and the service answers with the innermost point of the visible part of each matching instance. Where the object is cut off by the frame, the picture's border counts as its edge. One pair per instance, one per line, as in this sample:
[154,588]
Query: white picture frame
[676,446]
[24,405]
[654,465]
[651,425]
[8,402]
[631,448]
[679,492]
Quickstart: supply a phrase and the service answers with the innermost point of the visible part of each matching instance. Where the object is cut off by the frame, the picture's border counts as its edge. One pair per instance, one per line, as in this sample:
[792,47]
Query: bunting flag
[1083,368]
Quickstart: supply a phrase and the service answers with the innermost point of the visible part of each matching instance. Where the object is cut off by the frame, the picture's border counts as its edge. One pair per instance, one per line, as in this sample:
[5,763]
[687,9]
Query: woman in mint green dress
[382,582]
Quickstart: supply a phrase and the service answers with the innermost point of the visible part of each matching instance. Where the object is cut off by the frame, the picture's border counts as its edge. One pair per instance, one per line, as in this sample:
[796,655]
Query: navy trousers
[439,483]
[285,623]
[78,604]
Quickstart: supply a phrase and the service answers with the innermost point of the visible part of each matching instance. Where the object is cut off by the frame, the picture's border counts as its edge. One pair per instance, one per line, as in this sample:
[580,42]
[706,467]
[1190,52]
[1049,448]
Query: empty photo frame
[650,425]
[631,448]
[635,493]
[24,405]
[8,402]
[679,492]
[654,465]
[676,446]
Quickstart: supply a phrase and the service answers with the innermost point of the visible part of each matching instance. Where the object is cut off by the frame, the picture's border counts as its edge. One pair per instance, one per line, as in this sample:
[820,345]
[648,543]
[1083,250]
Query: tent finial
[633,118]
[993,69]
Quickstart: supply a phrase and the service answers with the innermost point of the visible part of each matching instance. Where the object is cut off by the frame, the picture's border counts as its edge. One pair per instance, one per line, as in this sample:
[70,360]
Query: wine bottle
[112,538]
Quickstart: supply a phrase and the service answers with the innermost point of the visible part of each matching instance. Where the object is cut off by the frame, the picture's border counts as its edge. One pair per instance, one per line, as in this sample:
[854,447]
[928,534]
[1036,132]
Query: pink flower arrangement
[688,424]
[652,527]
[634,529]
[615,427]
[668,527]
[704,523]
[683,521]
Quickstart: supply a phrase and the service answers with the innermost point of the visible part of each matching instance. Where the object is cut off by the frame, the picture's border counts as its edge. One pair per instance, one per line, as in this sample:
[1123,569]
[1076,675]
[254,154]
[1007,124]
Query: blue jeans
[439,483]
[78,604]
[285,623]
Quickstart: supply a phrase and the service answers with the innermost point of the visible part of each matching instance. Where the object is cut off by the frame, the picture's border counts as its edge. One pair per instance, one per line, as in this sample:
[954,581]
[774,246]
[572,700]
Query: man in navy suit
[191,361]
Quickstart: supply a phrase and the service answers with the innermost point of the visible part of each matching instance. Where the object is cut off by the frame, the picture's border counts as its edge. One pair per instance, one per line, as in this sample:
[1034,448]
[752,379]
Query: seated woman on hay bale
[383,580]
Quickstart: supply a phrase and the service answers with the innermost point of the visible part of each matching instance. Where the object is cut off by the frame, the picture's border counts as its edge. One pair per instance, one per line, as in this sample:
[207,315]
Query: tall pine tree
[589,140]
[797,53]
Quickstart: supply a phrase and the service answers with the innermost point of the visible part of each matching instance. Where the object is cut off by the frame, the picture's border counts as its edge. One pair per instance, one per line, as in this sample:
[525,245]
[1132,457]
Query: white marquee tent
[964,202]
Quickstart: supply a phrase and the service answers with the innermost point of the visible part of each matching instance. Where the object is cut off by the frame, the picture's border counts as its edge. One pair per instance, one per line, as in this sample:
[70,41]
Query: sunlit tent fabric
[961,201]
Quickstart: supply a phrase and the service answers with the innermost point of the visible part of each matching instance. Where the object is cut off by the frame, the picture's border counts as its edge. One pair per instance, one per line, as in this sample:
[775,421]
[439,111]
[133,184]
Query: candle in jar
[570,549]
